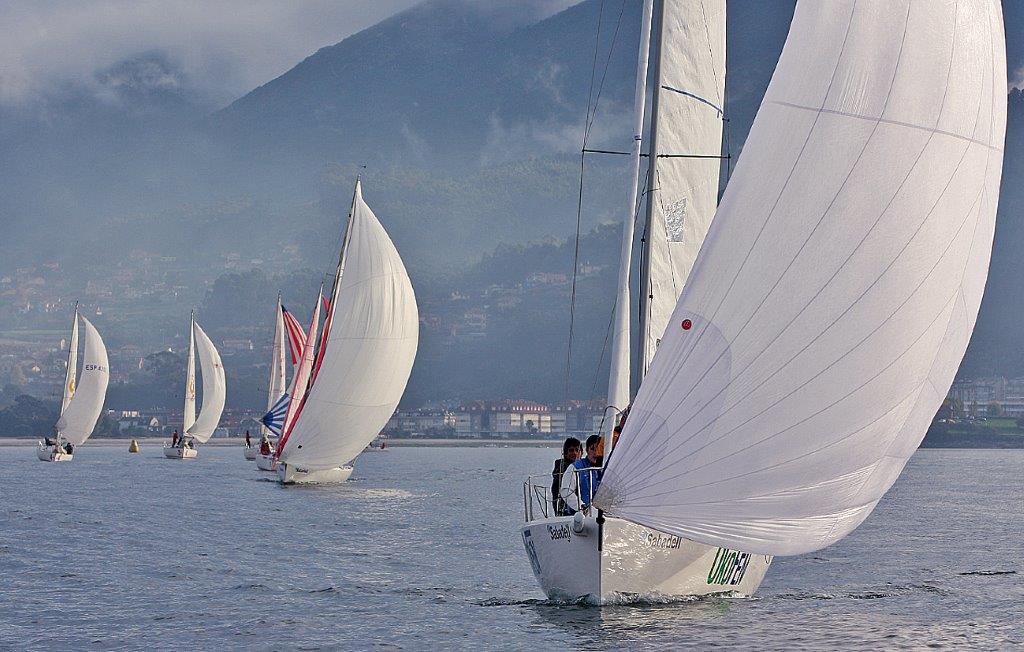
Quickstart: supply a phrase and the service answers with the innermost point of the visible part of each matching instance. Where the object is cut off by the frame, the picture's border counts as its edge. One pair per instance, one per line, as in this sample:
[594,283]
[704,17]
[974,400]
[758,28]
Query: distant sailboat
[824,318]
[201,428]
[280,416]
[83,397]
[276,385]
[365,356]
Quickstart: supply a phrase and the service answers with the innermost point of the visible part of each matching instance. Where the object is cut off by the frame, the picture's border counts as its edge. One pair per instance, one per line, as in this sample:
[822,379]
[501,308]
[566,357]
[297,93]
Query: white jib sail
[190,380]
[277,384]
[79,418]
[838,287]
[370,350]
[618,375]
[686,133]
[214,388]
[71,376]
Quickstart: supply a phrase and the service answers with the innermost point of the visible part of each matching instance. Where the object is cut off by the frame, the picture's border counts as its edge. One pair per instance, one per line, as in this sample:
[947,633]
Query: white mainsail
[214,387]
[838,287]
[71,376]
[369,351]
[78,419]
[276,386]
[687,115]
[190,378]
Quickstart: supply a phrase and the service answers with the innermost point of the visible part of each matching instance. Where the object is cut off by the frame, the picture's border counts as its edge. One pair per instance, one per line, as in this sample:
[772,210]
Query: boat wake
[988,573]
[891,591]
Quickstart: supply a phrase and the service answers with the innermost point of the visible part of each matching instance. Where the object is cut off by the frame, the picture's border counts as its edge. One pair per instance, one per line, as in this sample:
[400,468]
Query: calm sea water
[421,551]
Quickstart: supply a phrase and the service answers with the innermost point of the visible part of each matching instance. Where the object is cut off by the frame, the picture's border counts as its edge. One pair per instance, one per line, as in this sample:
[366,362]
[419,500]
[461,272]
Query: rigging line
[642,279]
[579,203]
[591,118]
[642,155]
[600,360]
[721,113]
[593,70]
[575,268]
[604,74]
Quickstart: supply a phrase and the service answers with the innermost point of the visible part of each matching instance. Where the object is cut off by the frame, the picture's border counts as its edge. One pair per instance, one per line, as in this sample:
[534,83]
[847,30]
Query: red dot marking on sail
[687,324]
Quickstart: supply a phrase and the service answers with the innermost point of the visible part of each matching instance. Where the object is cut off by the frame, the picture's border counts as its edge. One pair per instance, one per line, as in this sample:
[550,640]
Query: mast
[618,382]
[189,415]
[645,287]
[344,246]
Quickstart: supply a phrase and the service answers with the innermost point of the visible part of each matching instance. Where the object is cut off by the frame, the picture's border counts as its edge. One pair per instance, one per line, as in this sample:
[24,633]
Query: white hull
[266,463]
[250,453]
[46,454]
[180,452]
[633,562]
[289,474]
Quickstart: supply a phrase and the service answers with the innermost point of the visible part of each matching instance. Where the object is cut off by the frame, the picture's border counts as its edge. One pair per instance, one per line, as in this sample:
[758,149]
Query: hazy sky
[225,47]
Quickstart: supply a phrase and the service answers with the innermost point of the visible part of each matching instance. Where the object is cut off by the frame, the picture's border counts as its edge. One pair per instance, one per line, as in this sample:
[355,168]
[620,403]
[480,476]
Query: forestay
[838,287]
[78,419]
[370,350]
[214,387]
[686,135]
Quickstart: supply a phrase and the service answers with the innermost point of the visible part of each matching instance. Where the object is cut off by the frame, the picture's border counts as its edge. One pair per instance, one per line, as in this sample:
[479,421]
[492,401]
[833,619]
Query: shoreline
[221,442]
[238,441]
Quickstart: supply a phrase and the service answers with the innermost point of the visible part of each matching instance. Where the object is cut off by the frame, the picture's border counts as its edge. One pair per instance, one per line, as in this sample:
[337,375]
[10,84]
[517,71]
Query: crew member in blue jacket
[589,479]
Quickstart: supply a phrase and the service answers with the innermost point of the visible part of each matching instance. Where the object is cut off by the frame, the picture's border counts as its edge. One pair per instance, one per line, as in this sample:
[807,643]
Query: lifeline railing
[537,498]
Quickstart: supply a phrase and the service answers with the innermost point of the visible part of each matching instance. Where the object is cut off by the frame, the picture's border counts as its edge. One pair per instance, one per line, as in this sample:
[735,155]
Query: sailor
[248,441]
[174,438]
[572,450]
[579,486]
[265,446]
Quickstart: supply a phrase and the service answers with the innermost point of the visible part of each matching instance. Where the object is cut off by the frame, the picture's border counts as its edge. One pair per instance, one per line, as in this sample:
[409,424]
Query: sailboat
[365,356]
[83,397]
[276,384]
[199,428]
[282,413]
[824,317]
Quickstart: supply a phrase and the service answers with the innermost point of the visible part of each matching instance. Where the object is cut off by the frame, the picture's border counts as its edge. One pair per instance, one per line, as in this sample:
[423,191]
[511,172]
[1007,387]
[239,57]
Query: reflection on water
[421,550]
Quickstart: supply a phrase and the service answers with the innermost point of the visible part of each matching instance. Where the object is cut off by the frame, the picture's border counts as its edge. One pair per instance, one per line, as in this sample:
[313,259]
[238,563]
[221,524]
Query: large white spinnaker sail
[369,350]
[837,289]
[78,419]
[687,115]
[214,387]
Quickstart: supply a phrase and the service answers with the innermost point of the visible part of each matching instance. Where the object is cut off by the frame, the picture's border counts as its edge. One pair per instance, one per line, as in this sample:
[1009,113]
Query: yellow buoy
[133,447]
